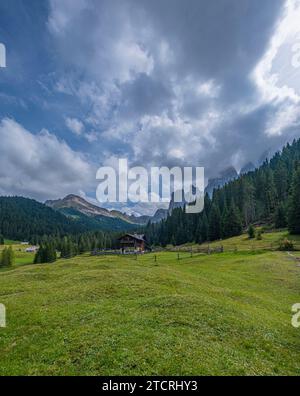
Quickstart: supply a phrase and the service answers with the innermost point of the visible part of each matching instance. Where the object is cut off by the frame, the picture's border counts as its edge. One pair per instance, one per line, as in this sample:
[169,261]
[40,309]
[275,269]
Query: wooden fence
[195,250]
[118,252]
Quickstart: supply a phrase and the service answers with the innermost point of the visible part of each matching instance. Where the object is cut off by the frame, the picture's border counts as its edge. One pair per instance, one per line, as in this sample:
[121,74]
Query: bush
[286,245]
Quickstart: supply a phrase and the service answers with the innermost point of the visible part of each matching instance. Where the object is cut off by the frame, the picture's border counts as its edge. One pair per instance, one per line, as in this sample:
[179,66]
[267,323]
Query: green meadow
[222,314]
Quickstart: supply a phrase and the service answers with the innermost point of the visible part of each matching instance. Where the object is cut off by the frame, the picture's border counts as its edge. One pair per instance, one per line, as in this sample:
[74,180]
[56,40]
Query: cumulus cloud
[39,166]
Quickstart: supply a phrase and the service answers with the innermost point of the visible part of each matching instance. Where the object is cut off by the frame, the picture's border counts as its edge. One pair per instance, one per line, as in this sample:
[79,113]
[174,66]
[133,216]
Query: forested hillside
[27,219]
[104,223]
[23,219]
[267,195]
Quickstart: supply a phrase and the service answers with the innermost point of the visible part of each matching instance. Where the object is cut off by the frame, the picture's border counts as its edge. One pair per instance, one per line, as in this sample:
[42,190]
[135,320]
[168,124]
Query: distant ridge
[84,207]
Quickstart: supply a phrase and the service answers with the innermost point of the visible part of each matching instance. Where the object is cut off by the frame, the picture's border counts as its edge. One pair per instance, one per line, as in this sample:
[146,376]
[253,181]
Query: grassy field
[223,314]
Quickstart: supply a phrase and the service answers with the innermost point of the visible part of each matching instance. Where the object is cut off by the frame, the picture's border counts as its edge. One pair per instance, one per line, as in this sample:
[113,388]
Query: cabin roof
[138,237]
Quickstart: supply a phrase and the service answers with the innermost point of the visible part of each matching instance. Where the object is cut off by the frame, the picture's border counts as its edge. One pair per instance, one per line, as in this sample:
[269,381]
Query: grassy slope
[221,314]
[269,240]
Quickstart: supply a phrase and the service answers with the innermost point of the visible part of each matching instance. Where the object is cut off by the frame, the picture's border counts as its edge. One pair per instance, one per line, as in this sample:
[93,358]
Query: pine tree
[225,223]
[294,204]
[232,223]
[45,254]
[251,231]
[204,228]
[270,197]
[214,223]
[280,217]
[198,236]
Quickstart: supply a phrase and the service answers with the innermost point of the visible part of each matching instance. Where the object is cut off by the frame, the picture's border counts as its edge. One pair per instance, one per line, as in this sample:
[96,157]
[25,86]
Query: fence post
[155,258]
[191,252]
[177,256]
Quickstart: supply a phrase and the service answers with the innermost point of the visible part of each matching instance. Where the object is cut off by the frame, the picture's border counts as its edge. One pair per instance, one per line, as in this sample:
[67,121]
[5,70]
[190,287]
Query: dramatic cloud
[39,165]
[169,82]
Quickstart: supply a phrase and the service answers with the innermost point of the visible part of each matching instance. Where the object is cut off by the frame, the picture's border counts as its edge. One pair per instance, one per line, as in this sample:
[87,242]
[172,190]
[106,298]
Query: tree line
[268,195]
[72,245]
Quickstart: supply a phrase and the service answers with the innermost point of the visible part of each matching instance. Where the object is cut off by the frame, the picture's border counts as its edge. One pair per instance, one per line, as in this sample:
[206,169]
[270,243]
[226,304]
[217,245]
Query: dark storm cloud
[180,72]
[221,39]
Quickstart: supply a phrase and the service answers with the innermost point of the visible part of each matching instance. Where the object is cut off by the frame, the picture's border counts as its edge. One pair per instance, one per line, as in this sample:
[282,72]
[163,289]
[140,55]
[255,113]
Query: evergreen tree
[214,223]
[225,222]
[232,223]
[204,228]
[270,195]
[280,217]
[251,231]
[45,254]
[294,204]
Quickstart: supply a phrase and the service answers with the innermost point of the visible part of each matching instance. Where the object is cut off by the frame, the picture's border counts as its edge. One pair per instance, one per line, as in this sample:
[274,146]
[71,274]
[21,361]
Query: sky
[162,83]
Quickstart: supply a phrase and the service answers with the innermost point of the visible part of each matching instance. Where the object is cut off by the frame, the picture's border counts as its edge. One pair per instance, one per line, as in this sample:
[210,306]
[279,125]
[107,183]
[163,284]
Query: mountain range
[77,207]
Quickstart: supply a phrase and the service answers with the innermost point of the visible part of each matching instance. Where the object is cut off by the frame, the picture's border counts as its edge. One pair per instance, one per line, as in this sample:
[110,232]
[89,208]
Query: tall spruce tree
[294,204]
[251,231]
[232,223]
[214,223]
[280,217]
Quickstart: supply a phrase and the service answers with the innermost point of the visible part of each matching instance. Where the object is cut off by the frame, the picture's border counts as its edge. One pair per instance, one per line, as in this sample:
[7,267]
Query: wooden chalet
[133,242]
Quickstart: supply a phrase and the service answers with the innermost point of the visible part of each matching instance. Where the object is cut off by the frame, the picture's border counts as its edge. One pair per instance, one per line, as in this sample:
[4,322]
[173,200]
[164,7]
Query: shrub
[286,245]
